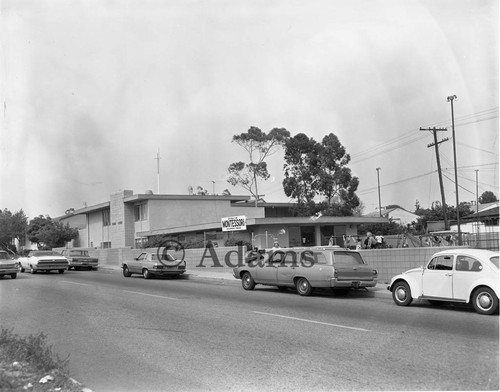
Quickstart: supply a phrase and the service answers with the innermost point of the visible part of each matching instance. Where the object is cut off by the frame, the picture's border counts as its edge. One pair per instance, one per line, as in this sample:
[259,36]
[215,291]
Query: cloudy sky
[91,90]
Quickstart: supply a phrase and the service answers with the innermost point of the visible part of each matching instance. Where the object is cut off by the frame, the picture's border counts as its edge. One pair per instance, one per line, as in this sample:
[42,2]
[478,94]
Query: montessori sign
[234,223]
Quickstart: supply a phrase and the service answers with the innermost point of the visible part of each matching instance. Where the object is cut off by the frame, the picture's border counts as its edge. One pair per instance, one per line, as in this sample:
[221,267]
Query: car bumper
[50,267]
[83,264]
[168,272]
[335,283]
[10,270]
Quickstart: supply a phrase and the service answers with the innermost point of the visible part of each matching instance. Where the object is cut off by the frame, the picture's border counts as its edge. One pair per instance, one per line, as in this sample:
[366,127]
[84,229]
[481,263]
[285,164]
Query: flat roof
[148,196]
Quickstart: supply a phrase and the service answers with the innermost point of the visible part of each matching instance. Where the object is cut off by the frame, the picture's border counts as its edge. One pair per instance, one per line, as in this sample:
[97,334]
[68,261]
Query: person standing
[370,241]
[380,240]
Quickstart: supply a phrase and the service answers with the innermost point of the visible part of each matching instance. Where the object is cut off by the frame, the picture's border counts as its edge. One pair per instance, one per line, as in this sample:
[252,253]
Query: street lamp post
[379,202]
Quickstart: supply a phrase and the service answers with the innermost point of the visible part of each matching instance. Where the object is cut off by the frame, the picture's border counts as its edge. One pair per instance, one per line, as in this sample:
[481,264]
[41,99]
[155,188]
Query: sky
[93,91]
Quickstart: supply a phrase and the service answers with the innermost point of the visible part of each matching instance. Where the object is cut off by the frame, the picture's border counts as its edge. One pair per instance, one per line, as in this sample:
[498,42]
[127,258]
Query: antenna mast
[158,171]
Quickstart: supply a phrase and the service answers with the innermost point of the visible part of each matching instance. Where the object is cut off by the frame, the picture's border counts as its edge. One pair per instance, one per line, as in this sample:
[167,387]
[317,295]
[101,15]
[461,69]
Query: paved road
[129,334]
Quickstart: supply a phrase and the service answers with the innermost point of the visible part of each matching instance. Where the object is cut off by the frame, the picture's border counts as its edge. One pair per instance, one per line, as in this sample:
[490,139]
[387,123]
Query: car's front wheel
[247,281]
[146,274]
[485,301]
[61,271]
[126,272]
[32,270]
[304,287]
[14,275]
[401,294]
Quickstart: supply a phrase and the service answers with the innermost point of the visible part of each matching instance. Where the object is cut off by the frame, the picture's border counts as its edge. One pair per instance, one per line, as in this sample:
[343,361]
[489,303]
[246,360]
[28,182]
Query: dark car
[306,269]
[152,264]
[8,266]
[79,258]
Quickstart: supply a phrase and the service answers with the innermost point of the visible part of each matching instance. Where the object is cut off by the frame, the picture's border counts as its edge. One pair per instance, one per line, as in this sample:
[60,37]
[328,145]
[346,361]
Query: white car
[43,260]
[455,275]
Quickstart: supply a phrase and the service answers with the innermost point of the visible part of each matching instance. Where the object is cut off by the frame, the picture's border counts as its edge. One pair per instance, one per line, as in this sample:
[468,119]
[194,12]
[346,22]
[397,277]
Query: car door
[437,278]
[467,271]
[267,273]
[286,269]
[136,264]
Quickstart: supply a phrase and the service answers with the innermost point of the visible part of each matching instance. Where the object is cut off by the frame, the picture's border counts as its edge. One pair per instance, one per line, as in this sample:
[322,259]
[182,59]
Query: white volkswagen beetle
[456,275]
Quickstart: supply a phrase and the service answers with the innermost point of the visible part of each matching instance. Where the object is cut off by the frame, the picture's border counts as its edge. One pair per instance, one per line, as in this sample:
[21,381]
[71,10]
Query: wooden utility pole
[436,145]
[451,98]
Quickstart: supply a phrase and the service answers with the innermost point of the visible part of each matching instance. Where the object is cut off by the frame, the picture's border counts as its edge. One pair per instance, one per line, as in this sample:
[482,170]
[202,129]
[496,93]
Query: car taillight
[335,273]
[375,272]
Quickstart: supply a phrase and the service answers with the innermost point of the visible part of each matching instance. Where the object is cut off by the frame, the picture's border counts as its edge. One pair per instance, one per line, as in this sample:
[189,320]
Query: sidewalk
[225,276]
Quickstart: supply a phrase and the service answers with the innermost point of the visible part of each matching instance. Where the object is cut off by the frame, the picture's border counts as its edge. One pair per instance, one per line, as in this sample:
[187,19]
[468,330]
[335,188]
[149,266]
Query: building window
[105,245]
[140,212]
[105,218]
[140,242]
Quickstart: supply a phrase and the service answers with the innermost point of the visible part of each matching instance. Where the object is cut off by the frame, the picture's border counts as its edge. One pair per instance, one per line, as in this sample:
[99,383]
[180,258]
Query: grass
[24,361]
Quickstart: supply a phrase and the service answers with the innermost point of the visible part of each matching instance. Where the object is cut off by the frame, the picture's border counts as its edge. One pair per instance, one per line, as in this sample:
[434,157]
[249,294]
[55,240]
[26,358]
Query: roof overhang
[87,210]
[288,221]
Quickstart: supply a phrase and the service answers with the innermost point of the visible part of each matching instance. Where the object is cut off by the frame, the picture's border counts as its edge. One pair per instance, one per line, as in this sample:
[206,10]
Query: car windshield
[44,253]
[4,256]
[342,257]
[494,261]
[78,253]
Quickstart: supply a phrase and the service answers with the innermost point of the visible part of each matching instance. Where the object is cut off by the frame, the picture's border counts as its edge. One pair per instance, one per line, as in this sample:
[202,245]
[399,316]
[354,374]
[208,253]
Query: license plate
[355,284]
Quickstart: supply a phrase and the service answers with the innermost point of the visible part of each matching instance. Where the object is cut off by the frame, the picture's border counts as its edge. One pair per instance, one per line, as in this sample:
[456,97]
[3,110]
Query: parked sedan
[306,269]
[456,275]
[43,260]
[79,258]
[8,266]
[151,264]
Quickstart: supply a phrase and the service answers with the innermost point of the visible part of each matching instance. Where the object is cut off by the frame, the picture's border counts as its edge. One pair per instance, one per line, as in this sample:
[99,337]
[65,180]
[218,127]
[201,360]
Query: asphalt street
[201,333]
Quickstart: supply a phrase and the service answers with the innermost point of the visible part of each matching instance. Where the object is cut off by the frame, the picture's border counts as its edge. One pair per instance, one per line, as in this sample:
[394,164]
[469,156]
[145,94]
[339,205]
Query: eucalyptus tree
[317,176]
[259,146]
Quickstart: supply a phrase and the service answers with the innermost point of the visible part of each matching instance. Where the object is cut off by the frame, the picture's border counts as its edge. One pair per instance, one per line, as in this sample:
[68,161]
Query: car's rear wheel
[126,272]
[485,301]
[61,271]
[14,275]
[247,281]
[146,274]
[401,294]
[304,287]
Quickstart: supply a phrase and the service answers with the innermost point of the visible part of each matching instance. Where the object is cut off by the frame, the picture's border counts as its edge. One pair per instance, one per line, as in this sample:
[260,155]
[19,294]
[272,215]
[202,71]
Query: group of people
[374,242]
[369,242]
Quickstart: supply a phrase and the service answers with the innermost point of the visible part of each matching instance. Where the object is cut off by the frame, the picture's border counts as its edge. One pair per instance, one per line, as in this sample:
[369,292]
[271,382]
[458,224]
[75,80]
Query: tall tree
[487,197]
[12,226]
[45,231]
[319,171]
[259,147]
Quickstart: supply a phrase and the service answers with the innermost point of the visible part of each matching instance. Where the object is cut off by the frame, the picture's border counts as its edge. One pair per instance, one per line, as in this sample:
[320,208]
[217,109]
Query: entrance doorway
[307,234]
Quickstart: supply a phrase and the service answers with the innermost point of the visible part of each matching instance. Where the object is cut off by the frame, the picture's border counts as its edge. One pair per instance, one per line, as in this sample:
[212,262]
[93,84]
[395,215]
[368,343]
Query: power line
[411,137]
